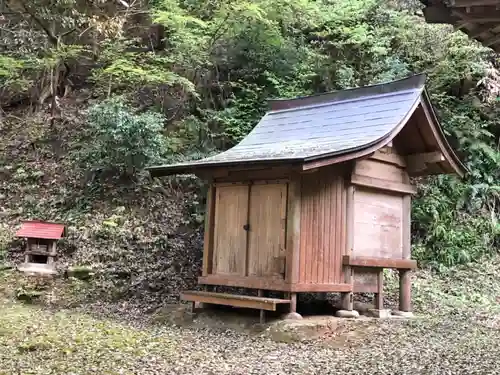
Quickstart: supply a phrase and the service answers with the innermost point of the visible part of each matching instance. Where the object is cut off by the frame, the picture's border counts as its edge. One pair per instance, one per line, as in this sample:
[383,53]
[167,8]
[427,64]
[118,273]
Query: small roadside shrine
[317,197]
[40,254]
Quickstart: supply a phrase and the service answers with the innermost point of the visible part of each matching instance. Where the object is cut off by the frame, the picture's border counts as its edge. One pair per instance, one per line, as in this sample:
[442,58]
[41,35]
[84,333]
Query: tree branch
[53,40]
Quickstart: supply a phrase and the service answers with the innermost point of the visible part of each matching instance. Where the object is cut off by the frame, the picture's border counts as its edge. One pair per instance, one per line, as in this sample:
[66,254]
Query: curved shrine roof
[321,126]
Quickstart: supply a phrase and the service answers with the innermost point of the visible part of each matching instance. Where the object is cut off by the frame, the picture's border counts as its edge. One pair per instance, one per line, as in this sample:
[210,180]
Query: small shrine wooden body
[41,251]
[317,197]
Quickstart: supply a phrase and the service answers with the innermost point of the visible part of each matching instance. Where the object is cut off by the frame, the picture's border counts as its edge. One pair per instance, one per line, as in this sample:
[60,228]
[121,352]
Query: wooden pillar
[379,296]
[405,290]
[347,297]
[209,231]
[405,275]
[52,252]
[293,302]
[26,253]
[293,218]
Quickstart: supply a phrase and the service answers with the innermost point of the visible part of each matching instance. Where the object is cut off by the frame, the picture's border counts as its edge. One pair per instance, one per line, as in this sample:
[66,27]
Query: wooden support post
[292,262]
[209,232]
[379,296]
[26,254]
[347,298]
[405,290]
[293,302]
[262,315]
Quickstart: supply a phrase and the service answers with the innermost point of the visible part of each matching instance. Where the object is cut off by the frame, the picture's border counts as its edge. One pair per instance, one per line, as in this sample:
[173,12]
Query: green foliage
[121,140]
[213,64]
[446,233]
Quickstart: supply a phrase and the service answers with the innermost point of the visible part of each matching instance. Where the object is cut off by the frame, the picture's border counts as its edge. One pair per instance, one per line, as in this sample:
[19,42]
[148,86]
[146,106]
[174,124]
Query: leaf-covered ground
[456,332]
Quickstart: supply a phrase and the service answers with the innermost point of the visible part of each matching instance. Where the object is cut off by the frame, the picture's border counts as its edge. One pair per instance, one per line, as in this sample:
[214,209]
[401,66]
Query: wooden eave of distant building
[479,19]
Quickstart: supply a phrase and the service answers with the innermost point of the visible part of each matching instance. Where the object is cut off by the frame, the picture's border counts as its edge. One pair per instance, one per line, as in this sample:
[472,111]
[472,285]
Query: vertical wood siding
[322,239]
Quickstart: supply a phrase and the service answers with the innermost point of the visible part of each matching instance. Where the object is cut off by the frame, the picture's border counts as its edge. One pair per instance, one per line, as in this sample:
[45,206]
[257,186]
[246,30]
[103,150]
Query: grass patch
[35,341]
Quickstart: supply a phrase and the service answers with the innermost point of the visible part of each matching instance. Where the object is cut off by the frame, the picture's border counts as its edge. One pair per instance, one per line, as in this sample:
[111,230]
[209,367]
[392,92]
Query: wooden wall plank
[380,170]
[381,184]
[378,220]
[230,242]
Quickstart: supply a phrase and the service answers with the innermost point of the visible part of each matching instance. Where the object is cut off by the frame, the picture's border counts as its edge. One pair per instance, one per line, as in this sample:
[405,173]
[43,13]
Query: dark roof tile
[326,124]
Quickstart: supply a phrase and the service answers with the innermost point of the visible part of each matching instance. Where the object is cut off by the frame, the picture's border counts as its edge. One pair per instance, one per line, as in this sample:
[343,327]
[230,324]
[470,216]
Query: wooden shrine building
[317,197]
[41,252]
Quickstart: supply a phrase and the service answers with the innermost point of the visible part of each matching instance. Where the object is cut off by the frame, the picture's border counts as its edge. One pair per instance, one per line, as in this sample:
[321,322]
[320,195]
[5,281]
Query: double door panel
[250,229]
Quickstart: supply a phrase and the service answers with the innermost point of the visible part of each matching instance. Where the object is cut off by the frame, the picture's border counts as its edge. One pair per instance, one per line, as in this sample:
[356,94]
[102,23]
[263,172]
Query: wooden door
[266,236]
[230,239]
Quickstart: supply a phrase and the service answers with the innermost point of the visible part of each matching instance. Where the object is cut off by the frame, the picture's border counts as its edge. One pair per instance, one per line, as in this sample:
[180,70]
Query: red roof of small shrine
[40,229]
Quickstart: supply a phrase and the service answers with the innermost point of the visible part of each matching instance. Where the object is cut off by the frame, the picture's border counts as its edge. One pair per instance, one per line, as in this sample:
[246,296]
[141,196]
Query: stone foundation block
[292,316]
[347,314]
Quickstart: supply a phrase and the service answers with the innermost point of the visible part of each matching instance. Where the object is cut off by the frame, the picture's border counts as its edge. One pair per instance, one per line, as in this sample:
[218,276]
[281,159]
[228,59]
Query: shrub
[122,141]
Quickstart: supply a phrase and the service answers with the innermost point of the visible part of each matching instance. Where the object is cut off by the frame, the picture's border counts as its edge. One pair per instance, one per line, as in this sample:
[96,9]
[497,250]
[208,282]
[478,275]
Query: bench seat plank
[252,302]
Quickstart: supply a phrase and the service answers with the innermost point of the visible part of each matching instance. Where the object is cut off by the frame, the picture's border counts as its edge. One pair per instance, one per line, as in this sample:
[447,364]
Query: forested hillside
[91,92]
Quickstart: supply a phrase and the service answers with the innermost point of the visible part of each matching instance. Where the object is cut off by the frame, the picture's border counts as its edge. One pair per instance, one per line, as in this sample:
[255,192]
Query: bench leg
[262,312]
[262,316]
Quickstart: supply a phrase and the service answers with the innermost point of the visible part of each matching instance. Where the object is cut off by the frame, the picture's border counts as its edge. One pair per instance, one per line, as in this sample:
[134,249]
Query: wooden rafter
[477,17]
[419,162]
[480,30]
[472,3]
[491,41]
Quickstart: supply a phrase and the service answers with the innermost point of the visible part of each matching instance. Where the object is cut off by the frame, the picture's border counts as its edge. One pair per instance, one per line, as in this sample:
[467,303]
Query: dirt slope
[137,235]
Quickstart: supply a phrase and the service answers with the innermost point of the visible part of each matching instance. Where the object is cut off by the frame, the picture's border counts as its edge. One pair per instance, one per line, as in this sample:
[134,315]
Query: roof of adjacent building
[479,19]
[319,126]
[41,229]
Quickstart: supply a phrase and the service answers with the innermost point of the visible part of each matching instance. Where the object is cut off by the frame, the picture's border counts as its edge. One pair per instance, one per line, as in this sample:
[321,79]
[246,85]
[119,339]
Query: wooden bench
[234,300]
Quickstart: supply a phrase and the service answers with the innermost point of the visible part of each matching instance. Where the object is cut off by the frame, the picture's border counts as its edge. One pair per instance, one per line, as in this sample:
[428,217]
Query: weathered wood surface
[293,230]
[266,283]
[378,220]
[208,240]
[379,262]
[230,240]
[266,235]
[263,303]
[322,237]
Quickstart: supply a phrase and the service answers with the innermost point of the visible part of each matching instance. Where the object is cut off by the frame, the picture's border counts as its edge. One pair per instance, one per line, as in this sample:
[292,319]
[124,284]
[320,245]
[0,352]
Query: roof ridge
[385,88]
